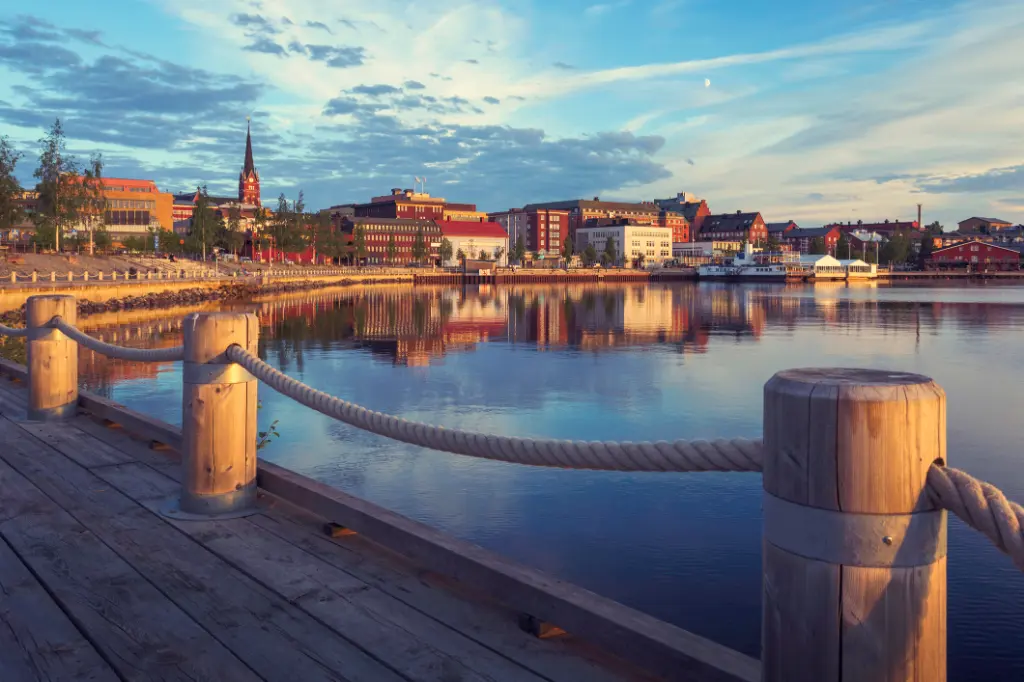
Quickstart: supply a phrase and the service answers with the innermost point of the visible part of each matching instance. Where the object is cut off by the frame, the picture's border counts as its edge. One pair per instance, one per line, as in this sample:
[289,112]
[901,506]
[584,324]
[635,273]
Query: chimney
[597,198]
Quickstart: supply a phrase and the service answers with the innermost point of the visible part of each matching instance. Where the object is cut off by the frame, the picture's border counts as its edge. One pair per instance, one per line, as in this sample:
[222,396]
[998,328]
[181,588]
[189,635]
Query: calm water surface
[623,363]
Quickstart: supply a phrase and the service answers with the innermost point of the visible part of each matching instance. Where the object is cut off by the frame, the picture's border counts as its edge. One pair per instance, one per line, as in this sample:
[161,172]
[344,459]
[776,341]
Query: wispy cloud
[605,7]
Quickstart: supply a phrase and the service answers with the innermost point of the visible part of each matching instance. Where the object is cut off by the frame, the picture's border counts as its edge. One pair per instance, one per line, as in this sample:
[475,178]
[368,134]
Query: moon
[707,82]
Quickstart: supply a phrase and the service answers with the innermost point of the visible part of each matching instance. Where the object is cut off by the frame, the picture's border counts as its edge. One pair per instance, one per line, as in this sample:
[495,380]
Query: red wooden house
[975,256]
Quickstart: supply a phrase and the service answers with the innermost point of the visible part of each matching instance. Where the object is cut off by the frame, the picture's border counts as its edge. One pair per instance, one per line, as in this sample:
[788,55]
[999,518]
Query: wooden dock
[95,584]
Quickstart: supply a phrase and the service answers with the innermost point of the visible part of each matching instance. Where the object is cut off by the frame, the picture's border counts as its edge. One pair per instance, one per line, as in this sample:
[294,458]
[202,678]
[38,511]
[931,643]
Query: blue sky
[815,111]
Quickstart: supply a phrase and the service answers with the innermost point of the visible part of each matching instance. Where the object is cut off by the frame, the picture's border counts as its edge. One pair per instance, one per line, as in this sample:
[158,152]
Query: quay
[132,549]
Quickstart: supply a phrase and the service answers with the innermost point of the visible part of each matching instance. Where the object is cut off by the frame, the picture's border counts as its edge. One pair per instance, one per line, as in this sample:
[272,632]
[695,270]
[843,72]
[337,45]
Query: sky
[803,110]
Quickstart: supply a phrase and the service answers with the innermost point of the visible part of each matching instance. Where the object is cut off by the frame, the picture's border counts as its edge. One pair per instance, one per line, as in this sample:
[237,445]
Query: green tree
[359,244]
[843,247]
[59,198]
[638,262]
[419,246]
[925,250]
[461,255]
[567,249]
[589,255]
[519,252]
[445,250]
[204,222]
[134,244]
[499,251]
[12,212]
[610,255]
[483,255]
[817,245]
[896,250]
[935,228]
[170,242]
[392,248]
[260,238]
[773,245]
[101,238]
[93,202]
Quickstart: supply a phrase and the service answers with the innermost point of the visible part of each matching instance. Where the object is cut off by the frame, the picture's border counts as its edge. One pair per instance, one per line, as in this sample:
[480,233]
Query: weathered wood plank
[37,641]
[415,645]
[154,429]
[481,618]
[140,632]
[262,629]
[660,647]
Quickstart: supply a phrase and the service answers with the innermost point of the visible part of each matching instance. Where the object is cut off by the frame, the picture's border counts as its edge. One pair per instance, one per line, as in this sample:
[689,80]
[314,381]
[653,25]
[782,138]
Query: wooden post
[218,418]
[854,560]
[52,359]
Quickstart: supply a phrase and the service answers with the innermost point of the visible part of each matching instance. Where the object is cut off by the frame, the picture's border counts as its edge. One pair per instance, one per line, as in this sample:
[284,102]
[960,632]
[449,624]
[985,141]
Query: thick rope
[119,352]
[738,454]
[981,506]
[12,331]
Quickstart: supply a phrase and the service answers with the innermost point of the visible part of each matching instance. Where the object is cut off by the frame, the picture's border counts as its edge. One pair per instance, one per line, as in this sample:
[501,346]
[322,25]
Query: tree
[392,248]
[445,251]
[101,238]
[203,223]
[843,246]
[12,211]
[59,198]
[589,255]
[773,245]
[359,244]
[896,250]
[610,254]
[419,246]
[93,202]
[519,252]
[483,255]
[499,251]
[935,228]
[260,239]
[169,241]
[817,245]
[135,244]
[924,252]
[461,255]
[567,249]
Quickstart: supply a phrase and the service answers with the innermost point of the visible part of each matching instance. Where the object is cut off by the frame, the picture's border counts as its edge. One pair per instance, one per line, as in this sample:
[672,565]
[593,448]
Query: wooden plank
[137,630]
[13,370]
[660,647]
[800,603]
[415,645]
[483,620]
[153,429]
[37,641]
[270,635]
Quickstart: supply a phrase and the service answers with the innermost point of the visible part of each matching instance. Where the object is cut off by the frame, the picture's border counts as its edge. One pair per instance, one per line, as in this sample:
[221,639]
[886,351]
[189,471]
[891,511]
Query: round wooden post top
[41,309]
[208,335]
[853,440]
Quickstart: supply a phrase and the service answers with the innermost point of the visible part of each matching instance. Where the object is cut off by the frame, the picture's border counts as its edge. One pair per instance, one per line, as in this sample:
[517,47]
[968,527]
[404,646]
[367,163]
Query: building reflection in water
[414,326]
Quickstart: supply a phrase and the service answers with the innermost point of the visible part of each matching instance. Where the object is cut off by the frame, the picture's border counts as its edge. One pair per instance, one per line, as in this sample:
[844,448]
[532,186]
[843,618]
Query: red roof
[469,228]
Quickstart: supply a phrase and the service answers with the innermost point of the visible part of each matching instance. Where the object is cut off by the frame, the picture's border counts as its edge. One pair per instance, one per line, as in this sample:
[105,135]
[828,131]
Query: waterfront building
[702,253]
[741,226]
[580,211]
[378,232]
[412,205]
[801,239]
[983,225]
[134,207]
[974,256]
[778,231]
[822,266]
[542,229]
[473,237]
[885,228]
[858,269]
[693,210]
[631,241]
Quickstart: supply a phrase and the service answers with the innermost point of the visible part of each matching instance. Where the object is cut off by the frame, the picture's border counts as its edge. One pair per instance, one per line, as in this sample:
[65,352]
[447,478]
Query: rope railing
[737,454]
[982,506]
[12,331]
[118,352]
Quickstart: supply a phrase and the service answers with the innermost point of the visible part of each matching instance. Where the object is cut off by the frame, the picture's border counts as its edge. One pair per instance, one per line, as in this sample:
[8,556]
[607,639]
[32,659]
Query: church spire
[249,165]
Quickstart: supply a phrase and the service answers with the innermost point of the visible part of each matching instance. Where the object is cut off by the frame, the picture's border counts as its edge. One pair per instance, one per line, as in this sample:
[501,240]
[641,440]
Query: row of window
[131,203]
[126,217]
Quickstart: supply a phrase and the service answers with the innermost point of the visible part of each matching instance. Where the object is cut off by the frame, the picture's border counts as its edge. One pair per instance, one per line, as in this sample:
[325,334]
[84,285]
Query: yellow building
[134,206]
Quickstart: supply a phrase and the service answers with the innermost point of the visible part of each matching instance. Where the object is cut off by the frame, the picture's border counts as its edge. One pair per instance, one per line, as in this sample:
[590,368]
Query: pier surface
[96,585]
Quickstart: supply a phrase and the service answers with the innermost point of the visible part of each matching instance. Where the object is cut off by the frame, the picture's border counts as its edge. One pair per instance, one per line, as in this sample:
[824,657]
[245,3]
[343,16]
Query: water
[624,363]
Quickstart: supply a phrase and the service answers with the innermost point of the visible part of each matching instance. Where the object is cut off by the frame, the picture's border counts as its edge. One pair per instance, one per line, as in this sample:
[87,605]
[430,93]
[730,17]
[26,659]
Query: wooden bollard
[854,562]
[52,359]
[218,418]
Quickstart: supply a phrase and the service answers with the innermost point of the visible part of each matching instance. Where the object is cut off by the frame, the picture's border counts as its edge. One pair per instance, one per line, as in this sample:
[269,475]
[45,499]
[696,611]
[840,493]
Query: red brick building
[974,256]
[736,226]
[542,229]
[644,213]
[778,231]
[408,205]
[693,210]
[377,233]
[800,239]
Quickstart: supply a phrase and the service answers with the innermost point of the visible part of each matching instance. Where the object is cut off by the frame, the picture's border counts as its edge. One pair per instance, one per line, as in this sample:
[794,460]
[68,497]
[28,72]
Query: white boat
[748,265]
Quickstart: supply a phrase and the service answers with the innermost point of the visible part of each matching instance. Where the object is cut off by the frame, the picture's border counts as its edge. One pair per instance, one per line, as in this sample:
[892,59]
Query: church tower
[249,178]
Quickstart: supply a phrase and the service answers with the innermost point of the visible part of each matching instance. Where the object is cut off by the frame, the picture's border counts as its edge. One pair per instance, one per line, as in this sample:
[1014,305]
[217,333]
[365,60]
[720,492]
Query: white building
[858,269]
[822,266]
[699,253]
[654,243]
[473,237]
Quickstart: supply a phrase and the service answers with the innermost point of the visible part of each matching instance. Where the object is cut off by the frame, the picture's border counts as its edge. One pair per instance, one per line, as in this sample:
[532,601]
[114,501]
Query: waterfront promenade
[96,585]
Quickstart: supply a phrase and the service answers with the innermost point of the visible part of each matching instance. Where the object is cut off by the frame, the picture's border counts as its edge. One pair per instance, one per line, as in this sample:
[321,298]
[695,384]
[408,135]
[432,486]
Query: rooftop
[597,204]
[470,228]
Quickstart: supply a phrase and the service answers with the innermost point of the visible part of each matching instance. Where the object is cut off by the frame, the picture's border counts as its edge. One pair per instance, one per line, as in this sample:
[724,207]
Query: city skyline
[859,111]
